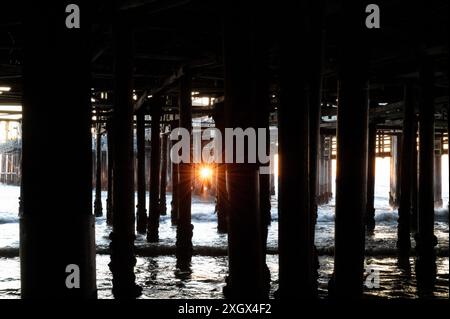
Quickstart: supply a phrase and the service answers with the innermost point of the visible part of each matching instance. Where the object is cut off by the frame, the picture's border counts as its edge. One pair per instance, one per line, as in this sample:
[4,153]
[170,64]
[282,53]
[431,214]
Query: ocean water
[159,277]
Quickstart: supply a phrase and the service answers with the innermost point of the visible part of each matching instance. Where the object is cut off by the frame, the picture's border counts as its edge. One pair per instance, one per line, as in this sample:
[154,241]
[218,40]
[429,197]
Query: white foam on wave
[325,216]
[441,214]
[386,216]
[9,203]
[204,220]
[8,218]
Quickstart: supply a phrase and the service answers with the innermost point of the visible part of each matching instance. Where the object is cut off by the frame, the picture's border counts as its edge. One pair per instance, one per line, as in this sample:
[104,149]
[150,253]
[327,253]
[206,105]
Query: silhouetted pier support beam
[221,188]
[264,191]
[245,258]
[11,169]
[175,190]
[222,199]
[5,172]
[163,181]
[316,41]
[98,209]
[425,239]
[56,194]
[156,104]
[315,57]
[407,173]
[330,180]
[110,158]
[141,212]
[184,226]
[352,127]
[371,163]
[3,168]
[296,247]
[262,100]
[394,182]
[272,178]
[321,183]
[8,169]
[448,146]
[324,189]
[438,173]
[122,237]
[415,178]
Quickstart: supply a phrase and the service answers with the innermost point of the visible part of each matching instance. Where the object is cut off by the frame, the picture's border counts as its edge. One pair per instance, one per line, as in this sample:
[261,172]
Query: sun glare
[205,172]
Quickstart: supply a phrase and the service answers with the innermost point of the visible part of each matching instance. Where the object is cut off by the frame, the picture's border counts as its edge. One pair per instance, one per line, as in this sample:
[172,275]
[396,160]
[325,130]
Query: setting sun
[205,172]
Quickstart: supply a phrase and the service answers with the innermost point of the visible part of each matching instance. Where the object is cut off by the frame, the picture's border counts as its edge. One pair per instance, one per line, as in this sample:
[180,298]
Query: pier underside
[94,93]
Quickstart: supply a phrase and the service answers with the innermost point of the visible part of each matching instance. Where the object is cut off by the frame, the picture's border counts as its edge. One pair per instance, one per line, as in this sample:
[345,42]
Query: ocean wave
[199,217]
[386,217]
[381,216]
[441,214]
[6,218]
[207,214]
[204,216]
[382,252]
[153,250]
[325,217]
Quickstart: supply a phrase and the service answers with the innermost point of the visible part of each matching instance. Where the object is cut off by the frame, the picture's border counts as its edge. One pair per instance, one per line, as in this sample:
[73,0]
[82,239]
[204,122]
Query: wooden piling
[3,168]
[8,169]
[352,127]
[221,188]
[245,257]
[425,239]
[122,237]
[415,178]
[438,172]
[406,177]
[262,99]
[329,180]
[141,212]
[56,224]
[175,186]
[322,172]
[371,163]
[156,104]
[316,42]
[175,196]
[110,158]
[163,180]
[185,171]
[296,247]
[272,182]
[98,209]
[394,177]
